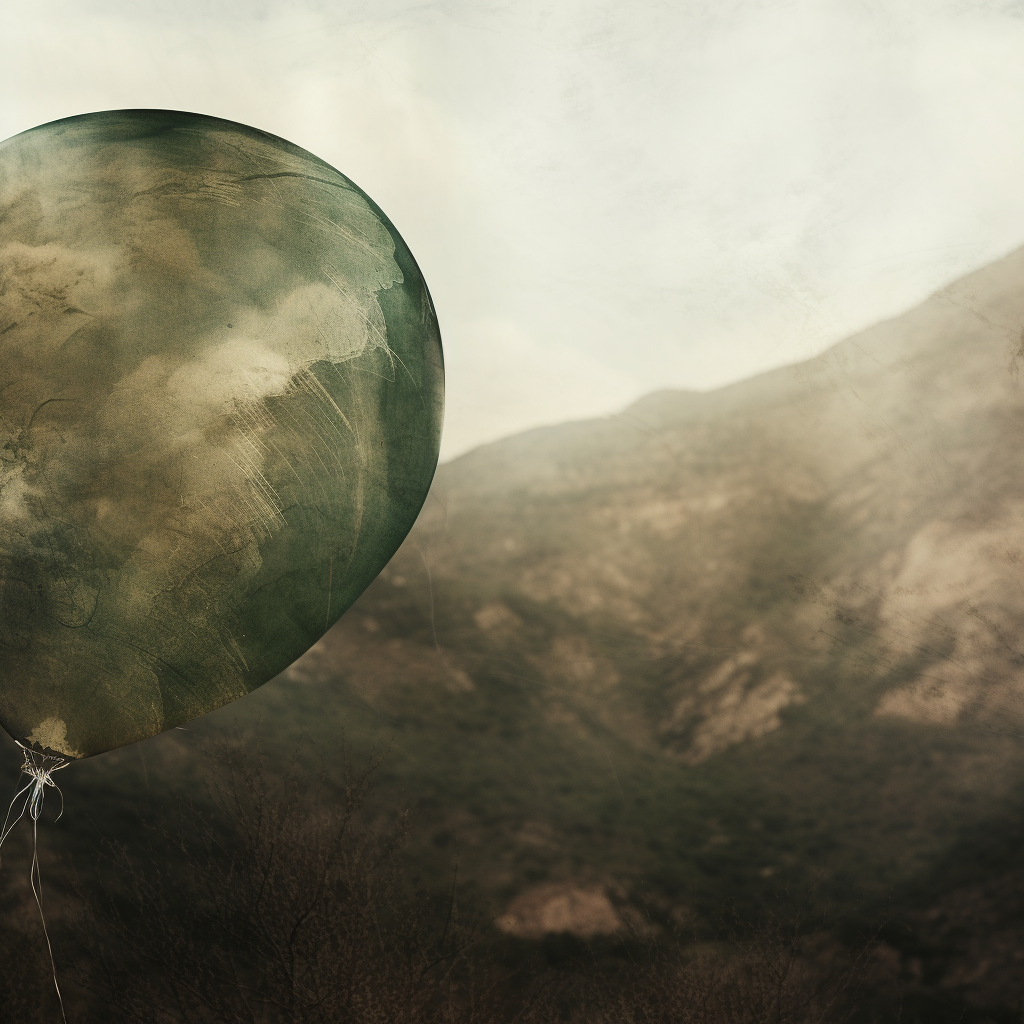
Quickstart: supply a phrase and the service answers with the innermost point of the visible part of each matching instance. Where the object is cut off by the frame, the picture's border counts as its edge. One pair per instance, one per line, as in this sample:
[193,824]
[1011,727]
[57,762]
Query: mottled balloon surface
[221,392]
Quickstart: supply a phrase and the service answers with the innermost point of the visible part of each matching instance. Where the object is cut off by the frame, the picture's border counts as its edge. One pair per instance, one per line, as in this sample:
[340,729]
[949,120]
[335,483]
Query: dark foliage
[282,906]
[281,902]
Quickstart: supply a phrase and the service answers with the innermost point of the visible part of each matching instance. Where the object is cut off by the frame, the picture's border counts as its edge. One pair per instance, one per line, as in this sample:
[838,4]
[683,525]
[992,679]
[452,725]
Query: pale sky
[606,198]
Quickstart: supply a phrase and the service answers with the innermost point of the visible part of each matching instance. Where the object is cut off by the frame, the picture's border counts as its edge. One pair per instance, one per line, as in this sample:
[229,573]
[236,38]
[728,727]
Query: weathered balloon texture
[221,392]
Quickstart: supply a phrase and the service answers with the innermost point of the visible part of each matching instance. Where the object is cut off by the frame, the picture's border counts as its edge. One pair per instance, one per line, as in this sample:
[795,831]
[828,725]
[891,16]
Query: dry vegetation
[283,901]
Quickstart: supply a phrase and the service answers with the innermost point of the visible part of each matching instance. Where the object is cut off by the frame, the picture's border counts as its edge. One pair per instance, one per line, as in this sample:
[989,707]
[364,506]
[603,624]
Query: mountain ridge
[717,643]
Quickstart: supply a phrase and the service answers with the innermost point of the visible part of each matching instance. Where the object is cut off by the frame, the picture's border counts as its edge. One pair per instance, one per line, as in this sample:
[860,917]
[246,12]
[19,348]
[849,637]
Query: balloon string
[39,768]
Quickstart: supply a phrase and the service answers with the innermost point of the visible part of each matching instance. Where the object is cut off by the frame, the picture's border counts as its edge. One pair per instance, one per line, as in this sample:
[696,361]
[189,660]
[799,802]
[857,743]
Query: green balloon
[221,393]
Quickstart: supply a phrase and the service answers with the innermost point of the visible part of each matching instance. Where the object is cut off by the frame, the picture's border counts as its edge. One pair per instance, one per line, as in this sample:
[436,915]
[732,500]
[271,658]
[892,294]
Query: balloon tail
[40,769]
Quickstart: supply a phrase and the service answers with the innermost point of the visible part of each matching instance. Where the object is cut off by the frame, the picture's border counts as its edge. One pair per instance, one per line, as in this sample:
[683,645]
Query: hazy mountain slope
[721,637]
[885,475]
[714,645]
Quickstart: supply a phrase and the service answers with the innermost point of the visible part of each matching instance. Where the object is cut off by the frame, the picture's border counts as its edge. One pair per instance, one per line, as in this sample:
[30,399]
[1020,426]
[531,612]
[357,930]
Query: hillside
[722,638]
[716,648]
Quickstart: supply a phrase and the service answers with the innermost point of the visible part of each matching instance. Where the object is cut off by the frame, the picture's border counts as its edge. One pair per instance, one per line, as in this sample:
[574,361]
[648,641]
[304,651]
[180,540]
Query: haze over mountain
[635,670]
[723,636]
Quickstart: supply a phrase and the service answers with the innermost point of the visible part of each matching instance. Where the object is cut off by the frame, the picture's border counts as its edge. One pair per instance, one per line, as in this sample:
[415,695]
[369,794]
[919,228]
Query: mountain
[720,650]
[720,639]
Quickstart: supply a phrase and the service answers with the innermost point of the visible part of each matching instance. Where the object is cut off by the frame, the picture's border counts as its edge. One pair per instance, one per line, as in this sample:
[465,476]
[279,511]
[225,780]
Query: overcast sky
[605,197]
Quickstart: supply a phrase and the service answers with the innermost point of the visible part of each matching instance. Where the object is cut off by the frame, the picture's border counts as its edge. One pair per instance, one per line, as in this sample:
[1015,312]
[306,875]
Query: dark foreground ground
[287,893]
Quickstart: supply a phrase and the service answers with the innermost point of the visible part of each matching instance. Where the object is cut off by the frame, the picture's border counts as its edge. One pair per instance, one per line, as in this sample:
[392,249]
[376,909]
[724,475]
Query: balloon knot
[39,768]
